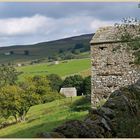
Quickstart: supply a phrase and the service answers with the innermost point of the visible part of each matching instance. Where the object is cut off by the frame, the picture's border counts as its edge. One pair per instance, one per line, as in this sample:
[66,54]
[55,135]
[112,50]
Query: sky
[29,22]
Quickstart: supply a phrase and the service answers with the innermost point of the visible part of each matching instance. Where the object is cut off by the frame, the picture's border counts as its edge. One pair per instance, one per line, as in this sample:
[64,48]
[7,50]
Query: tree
[16,99]
[16,102]
[11,52]
[55,81]
[78,46]
[28,98]
[75,51]
[61,51]
[26,52]
[74,81]
[8,75]
[8,98]
[40,86]
[87,86]
[69,55]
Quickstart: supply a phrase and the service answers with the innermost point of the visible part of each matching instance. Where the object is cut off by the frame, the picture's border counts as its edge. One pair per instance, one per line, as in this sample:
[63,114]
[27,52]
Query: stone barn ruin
[112,64]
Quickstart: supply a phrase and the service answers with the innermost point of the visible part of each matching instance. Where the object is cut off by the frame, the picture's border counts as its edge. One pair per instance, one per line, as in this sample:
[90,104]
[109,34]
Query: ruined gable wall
[112,65]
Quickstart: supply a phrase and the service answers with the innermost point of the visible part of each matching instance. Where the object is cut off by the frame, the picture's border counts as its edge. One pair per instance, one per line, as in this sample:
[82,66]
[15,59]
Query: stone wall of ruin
[112,67]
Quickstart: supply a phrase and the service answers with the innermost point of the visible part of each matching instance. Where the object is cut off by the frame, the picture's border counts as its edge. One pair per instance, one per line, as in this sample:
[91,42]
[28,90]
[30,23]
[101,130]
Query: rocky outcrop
[118,117]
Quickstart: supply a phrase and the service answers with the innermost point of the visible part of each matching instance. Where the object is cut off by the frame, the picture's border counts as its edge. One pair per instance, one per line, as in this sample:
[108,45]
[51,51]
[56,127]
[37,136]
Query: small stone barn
[112,64]
[69,91]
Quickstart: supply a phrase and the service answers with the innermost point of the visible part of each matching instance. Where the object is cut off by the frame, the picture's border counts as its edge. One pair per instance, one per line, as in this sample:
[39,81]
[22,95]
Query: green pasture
[64,68]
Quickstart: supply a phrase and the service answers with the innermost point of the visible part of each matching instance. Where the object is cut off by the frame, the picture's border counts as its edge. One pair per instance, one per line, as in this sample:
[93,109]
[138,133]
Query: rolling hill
[45,117]
[45,50]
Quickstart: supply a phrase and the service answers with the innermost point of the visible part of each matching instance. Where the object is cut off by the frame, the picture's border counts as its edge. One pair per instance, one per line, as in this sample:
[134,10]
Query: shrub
[82,104]
[87,86]
[74,81]
[52,96]
[55,81]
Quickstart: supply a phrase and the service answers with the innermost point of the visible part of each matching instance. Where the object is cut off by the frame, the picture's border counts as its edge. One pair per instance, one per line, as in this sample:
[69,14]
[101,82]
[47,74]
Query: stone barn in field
[112,64]
[69,91]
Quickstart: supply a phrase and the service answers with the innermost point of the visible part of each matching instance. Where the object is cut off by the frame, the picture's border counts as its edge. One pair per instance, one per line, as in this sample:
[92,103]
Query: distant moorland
[68,48]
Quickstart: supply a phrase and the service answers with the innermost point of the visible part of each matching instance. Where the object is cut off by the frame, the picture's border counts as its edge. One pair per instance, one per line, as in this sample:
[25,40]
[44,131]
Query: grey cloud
[87,18]
[106,11]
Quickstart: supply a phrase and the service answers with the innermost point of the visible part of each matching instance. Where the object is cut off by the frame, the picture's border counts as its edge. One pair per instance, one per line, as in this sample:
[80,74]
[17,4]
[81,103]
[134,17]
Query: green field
[45,117]
[63,69]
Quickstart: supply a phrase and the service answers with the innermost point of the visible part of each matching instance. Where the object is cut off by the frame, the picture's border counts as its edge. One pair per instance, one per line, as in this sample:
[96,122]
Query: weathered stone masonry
[112,64]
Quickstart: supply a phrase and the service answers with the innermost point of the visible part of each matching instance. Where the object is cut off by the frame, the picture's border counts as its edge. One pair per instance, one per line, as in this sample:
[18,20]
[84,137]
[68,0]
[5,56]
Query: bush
[55,81]
[82,104]
[41,86]
[87,86]
[74,81]
[52,96]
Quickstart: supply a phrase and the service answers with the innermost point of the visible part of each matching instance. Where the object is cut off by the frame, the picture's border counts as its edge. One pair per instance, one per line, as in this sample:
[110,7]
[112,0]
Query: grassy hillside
[64,68]
[45,49]
[45,117]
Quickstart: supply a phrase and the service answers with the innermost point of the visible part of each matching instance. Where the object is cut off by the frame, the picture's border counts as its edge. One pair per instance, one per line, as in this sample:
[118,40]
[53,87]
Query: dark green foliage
[49,97]
[74,81]
[68,55]
[83,85]
[55,81]
[79,46]
[40,85]
[81,105]
[75,51]
[26,52]
[87,86]
[11,52]
[53,58]
[61,51]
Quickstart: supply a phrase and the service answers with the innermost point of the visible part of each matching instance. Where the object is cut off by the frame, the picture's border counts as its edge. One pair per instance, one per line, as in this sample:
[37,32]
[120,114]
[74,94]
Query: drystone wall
[112,64]
[115,119]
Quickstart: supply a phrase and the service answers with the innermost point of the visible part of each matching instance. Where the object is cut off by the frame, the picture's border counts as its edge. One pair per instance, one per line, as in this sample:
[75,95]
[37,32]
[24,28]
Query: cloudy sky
[29,23]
